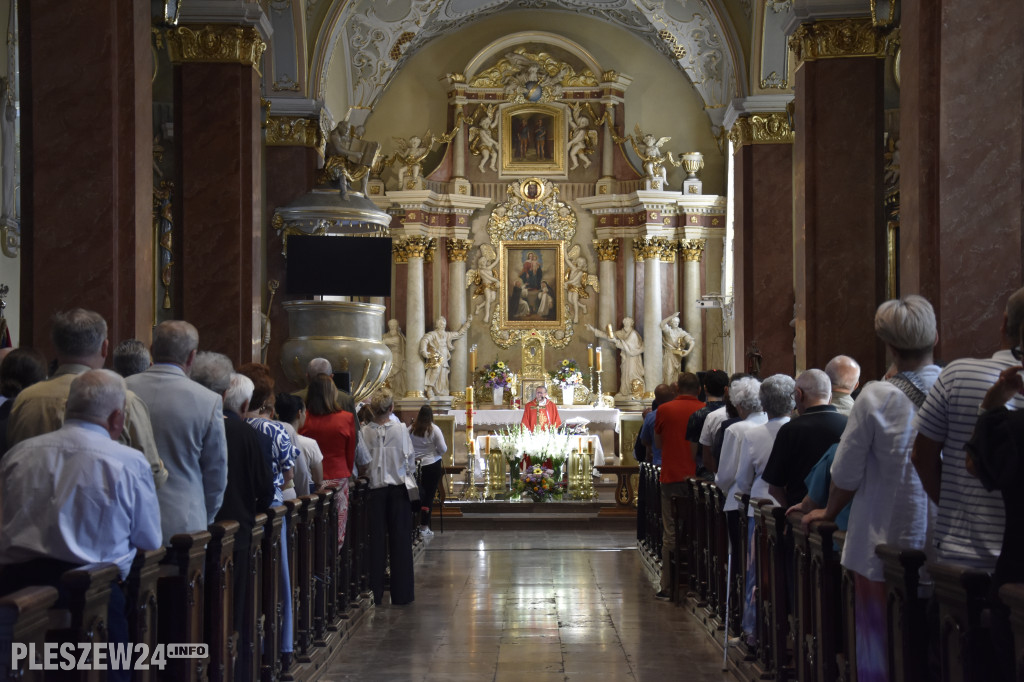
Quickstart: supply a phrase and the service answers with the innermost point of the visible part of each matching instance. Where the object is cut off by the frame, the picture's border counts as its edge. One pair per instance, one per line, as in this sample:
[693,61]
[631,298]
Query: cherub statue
[676,345]
[485,278]
[395,340]
[577,279]
[481,138]
[649,151]
[411,154]
[582,138]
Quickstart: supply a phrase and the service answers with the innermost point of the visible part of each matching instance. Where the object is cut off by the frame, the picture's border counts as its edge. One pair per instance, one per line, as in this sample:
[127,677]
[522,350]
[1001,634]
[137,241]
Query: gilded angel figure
[484,277]
[577,279]
[481,137]
[650,152]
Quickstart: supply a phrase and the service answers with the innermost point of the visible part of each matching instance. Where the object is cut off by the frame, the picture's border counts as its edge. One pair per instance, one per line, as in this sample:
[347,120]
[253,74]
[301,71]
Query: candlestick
[598,360]
[472,359]
[590,355]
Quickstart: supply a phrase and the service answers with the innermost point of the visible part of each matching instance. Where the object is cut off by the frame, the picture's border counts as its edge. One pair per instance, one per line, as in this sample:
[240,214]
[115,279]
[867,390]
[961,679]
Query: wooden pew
[694,552]
[683,509]
[219,611]
[359,532]
[706,560]
[846,653]
[251,635]
[763,597]
[180,591]
[777,611]
[801,621]
[25,618]
[1013,596]
[739,568]
[720,553]
[270,601]
[905,613]
[826,625]
[307,507]
[140,591]
[291,527]
[962,595]
[326,596]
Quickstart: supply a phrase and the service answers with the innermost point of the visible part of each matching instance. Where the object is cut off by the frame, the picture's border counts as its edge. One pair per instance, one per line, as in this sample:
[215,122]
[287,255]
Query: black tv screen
[339,266]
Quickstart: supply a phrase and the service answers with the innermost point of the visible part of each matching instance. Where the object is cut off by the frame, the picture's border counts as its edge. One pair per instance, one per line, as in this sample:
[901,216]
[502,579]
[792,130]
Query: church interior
[423,190]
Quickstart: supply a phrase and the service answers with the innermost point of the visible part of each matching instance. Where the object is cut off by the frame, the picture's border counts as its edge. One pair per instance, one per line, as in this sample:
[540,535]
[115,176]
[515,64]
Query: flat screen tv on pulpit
[331,265]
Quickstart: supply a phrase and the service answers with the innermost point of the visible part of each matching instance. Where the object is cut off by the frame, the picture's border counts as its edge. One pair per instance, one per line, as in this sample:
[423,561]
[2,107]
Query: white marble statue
[631,348]
[582,139]
[648,148]
[395,340]
[676,344]
[436,350]
[485,278]
[577,279]
[411,154]
[481,138]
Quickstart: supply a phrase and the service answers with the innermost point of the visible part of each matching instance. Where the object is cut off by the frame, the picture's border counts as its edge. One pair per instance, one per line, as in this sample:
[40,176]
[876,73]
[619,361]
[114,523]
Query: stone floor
[531,605]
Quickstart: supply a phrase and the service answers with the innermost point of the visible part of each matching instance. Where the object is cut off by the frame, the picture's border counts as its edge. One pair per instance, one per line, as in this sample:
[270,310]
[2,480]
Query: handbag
[412,488]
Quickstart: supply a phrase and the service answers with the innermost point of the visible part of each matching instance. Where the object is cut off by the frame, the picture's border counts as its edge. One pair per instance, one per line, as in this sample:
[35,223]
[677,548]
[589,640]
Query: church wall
[10,267]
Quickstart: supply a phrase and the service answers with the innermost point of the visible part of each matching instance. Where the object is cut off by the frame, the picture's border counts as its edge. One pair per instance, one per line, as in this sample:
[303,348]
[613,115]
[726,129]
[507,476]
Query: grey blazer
[188,424]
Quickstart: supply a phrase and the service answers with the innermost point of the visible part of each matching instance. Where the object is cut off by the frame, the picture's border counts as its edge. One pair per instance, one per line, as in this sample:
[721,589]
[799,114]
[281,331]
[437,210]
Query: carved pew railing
[825,629]
[905,613]
[25,618]
[270,600]
[739,565]
[719,542]
[253,624]
[219,611]
[695,550]
[1013,596]
[802,634]
[846,653]
[964,645]
[302,517]
[325,568]
[140,591]
[180,593]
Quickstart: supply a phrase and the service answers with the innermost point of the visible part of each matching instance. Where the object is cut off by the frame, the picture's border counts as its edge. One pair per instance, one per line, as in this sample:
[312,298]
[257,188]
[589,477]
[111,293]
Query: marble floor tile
[530,606]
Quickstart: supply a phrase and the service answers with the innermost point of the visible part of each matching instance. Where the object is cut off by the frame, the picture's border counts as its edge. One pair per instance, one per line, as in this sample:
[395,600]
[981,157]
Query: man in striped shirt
[969,528]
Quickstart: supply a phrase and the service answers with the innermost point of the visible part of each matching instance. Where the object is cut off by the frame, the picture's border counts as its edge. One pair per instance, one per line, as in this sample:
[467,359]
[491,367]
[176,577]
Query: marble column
[458,249]
[607,255]
[650,251]
[219,146]
[415,325]
[608,145]
[459,148]
[87,166]
[763,221]
[692,250]
[839,236]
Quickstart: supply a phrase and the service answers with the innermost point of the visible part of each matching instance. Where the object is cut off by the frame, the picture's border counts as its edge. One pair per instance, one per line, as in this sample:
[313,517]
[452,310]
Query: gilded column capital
[285,131]
[400,251]
[607,249]
[692,249]
[458,249]
[668,251]
[217,44]
[838,38]
[417,247]
[761,128]
[428,252]
[646,248]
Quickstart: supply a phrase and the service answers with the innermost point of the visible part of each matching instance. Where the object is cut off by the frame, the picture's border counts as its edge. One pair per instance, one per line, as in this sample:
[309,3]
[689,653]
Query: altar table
[597,456]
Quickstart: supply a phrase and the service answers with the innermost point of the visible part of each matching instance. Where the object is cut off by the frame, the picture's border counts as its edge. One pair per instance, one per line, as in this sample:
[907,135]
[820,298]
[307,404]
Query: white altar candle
[598,358]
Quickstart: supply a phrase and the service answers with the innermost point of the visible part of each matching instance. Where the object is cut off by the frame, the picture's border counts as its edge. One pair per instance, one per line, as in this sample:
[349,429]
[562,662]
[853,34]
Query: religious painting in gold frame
[533,140]
[532,295]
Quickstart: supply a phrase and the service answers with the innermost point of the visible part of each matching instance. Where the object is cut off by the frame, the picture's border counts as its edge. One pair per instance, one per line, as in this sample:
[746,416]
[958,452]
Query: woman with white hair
[872,468]
[755,448]
[391,461]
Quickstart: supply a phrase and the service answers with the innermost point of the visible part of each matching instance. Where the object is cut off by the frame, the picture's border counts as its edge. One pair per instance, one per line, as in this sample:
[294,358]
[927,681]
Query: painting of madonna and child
[534,287]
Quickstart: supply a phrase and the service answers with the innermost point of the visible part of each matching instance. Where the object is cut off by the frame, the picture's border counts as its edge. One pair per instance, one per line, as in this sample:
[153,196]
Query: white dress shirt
[76,495]
[711,424]
[391,454]
[730,459]
[755,449]
[429,448]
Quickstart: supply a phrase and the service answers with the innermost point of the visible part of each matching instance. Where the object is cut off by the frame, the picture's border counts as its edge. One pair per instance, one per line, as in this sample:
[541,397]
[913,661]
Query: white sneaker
[426,532]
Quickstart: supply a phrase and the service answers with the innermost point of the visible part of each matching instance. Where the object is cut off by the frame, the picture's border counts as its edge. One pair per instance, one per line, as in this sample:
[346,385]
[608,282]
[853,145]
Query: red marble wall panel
[764,256]
[839,234]
[86,150]
[219,146]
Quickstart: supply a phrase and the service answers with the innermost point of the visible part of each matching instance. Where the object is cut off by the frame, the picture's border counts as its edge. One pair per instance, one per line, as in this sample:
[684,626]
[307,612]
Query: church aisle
[536,606]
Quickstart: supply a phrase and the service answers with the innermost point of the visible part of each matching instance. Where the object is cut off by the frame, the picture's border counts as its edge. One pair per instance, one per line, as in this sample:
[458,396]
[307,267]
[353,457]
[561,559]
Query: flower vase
[499,396]
[568,396]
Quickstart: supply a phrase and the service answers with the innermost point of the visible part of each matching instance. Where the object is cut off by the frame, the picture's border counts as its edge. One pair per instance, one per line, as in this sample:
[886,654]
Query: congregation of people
[99,465]
[915,459]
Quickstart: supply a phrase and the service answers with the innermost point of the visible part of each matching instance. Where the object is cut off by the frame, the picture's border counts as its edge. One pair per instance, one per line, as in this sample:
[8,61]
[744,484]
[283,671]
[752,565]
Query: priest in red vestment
[541,412]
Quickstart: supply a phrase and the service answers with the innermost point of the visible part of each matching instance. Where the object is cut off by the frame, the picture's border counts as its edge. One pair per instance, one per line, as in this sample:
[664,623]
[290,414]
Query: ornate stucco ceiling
[376,37]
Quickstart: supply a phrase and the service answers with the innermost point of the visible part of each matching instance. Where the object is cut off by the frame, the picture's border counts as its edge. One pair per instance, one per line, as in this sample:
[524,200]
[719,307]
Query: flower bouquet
[497,375]
[539,484]
[568,376]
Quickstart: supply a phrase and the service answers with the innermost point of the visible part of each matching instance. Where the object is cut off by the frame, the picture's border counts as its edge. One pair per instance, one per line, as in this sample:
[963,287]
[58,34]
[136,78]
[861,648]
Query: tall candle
[469,397]
[590,446]
[590,355]
[488,444]
[472,359]
[579,445]
[598,358]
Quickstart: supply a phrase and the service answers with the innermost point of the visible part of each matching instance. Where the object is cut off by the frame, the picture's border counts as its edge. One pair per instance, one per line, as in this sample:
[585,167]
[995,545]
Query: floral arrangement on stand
[497,375]
[539,484]
[525,451]
[567,377]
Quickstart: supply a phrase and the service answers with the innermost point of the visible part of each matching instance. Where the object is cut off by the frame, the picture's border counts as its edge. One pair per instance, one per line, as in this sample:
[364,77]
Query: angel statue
[395,340]
[631,347]
[649,151]
[676,344]
[412,152]
[485,278]
[582,138]
[349,157]
[577,279]
[481,138]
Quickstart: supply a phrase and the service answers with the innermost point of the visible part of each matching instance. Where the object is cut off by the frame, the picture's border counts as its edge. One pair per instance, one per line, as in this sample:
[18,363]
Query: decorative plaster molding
[283,131]
[607,249]
[217,44]
[838,39]
[763,128]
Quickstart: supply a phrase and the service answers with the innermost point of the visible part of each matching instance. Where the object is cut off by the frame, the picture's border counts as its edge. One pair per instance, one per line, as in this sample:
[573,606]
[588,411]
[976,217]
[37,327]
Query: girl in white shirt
[429,447]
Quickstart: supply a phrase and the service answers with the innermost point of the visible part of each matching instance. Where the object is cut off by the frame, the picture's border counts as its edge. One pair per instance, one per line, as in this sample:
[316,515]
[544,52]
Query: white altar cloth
[597,416]
[598,456]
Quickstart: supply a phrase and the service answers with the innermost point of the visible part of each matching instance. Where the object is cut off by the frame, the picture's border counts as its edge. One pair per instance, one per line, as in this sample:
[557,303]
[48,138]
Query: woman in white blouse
[429,447]
[389,464]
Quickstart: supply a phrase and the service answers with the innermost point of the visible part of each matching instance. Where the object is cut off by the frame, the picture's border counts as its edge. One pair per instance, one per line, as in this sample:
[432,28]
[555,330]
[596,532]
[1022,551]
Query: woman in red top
[334,430]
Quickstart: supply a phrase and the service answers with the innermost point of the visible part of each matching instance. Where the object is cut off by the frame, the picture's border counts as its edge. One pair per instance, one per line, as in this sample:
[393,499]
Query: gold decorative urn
[337,330]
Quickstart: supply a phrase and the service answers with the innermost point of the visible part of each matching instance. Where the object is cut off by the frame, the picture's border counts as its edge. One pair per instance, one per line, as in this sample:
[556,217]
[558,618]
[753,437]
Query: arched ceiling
[376,37]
